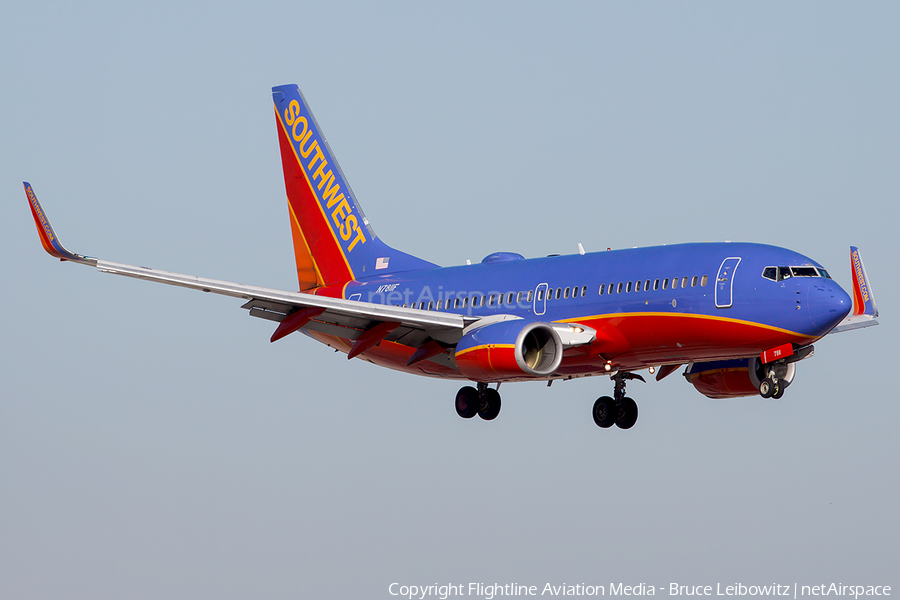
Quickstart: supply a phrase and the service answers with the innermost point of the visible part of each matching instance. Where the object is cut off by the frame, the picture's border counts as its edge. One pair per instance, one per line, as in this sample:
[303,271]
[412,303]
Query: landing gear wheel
[605,411]
[768,387]
[627,414]
[490,405]
[467,402]
[779,390]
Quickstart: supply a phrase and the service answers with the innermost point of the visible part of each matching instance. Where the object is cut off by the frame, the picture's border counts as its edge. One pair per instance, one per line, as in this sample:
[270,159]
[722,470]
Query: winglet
[864,309]
[863,300]
[48,237]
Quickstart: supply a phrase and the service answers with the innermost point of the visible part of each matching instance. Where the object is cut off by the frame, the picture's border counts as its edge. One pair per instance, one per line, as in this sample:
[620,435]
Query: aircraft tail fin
[333,241]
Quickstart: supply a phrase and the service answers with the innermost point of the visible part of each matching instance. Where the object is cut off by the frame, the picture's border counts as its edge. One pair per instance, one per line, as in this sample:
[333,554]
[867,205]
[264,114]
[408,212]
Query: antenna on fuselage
[580,248]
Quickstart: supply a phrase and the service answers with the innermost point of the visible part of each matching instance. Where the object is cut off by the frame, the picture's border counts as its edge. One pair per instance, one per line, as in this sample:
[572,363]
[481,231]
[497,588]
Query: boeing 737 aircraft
[739,316]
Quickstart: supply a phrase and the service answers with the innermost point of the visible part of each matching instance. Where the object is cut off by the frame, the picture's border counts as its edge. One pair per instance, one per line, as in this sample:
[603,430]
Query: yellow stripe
[691,316]
[485,346]
[309,183]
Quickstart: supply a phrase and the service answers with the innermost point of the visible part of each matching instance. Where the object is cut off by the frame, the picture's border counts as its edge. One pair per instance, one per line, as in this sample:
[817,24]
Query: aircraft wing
[348,319]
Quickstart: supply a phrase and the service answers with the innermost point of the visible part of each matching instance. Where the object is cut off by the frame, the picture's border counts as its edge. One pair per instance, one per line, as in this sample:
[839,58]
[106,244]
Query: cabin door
[725,282]
[540,298]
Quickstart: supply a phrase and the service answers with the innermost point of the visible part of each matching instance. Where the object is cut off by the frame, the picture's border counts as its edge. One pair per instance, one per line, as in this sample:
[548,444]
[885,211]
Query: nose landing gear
[484,401]
[619,410]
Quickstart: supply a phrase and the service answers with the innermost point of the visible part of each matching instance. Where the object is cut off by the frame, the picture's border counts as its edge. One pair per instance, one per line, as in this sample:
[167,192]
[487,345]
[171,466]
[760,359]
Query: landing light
[652,370]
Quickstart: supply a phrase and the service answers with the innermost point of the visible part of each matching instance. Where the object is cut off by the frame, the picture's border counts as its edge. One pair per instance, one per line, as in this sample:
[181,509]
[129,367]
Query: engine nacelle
[733,378]
[509,350]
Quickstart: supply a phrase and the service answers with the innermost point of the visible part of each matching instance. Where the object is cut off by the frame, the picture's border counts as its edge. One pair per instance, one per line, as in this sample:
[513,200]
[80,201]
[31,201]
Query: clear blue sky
[153,443]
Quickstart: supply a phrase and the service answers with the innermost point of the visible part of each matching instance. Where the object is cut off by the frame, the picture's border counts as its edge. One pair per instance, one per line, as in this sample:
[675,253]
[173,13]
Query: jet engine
[734,378]
[509,350]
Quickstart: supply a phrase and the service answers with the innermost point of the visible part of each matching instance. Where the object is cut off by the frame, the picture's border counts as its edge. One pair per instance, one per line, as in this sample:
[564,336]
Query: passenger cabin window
[628,288]
[694,281]
[666,283]
[647,286]
[530,293]
[602,285]
[439,304]
[683,282]
[566,293]
[558,293]
[619,288]
[703,281]
[583,291]
[675,283]
[509,298]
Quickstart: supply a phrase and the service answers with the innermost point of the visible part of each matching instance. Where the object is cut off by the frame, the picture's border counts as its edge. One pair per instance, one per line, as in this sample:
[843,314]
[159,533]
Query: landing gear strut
[619,410]
[484,401]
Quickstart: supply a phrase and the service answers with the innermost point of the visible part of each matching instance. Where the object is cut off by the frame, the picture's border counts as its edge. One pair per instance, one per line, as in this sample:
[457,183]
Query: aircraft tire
[605,412]
[627,414]
[467,402]
[490,405]
[779,390]
[766,387]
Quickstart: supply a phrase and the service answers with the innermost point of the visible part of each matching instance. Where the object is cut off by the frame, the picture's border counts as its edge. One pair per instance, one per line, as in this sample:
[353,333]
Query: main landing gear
[619,410]
[484,401]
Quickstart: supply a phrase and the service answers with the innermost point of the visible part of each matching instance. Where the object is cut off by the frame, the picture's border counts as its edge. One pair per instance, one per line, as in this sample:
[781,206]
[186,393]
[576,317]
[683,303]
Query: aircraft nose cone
[828,304]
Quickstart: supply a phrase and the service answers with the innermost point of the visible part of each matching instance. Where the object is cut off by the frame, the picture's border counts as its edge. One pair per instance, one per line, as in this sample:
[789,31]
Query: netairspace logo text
[490,591]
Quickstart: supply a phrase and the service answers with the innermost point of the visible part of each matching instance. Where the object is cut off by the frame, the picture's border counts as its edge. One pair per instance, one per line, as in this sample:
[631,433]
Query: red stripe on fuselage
[491,362]
[631,342]
[640,340]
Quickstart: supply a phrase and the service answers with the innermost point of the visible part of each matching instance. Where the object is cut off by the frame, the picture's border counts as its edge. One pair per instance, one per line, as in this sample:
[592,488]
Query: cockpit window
[782,273]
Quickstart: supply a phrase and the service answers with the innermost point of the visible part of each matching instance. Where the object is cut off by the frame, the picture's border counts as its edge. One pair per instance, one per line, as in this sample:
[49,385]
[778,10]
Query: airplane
[738,316]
